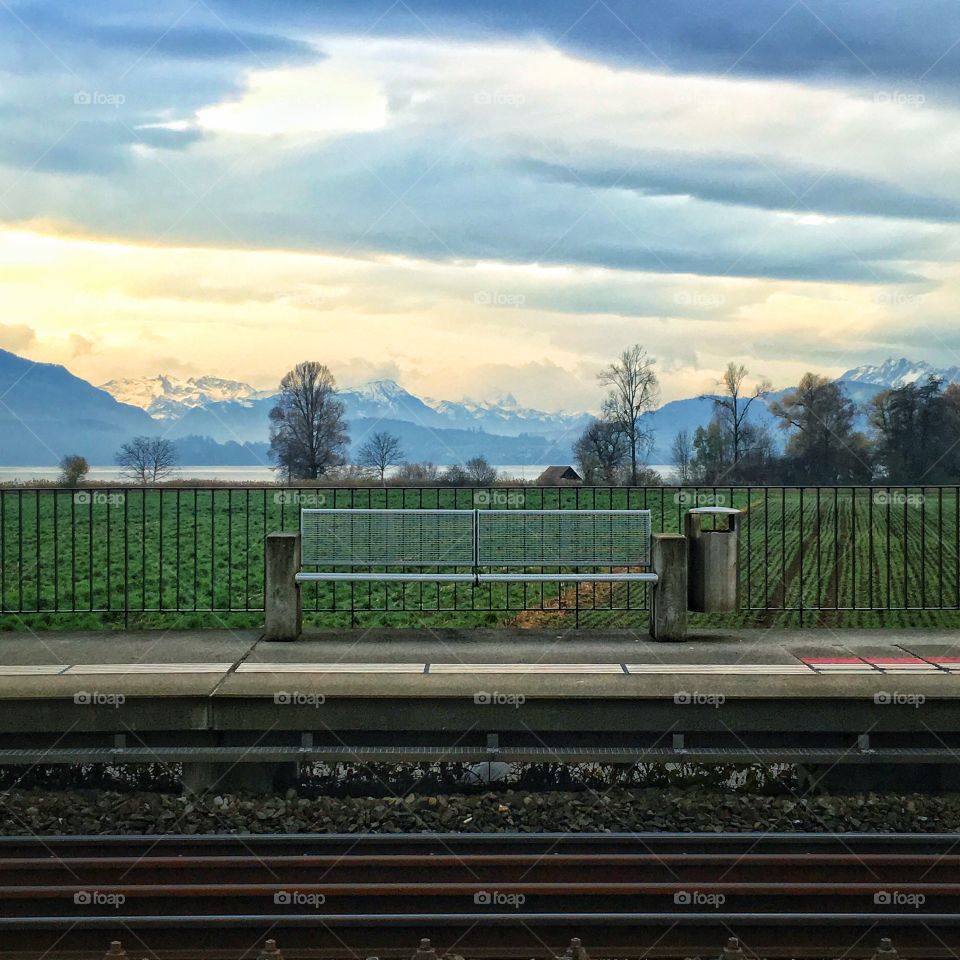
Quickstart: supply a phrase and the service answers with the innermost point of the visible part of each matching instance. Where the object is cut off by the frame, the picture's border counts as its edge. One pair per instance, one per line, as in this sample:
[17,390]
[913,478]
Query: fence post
[668,605]
[283,614]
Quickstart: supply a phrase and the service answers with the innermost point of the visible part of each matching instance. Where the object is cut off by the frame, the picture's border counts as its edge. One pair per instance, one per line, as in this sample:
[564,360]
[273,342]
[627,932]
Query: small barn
[558,476]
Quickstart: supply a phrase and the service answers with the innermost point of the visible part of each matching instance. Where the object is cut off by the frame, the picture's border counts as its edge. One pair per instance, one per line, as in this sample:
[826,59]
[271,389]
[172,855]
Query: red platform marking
[894,660]
[830,660]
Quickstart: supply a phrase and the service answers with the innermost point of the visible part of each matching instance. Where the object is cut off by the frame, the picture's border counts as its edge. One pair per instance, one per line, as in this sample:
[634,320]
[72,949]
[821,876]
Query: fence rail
[128,551]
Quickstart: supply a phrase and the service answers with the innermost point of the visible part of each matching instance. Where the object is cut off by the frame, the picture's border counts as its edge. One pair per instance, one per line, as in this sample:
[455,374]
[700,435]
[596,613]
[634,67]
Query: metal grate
[520,538]
[434,538]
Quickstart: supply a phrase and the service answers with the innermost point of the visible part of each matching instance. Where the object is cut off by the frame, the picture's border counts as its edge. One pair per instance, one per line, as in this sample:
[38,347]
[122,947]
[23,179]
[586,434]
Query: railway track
[480,895]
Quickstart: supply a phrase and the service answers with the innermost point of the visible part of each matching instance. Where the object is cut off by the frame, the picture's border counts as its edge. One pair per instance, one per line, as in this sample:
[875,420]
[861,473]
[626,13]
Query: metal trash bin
[713,571]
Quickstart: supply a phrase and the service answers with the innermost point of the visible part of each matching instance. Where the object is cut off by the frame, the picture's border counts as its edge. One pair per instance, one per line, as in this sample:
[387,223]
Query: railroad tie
[732,950]
[576,950]
[886,950]
[425,951]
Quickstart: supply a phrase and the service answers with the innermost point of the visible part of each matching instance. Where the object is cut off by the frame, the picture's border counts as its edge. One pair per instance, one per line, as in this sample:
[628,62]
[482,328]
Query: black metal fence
[128,551]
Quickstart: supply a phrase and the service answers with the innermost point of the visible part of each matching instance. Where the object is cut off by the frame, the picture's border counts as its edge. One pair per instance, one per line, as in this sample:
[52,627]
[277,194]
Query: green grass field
[194,557]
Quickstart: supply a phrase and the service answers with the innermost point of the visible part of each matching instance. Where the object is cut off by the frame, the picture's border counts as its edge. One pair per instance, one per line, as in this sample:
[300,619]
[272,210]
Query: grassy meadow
[180,557]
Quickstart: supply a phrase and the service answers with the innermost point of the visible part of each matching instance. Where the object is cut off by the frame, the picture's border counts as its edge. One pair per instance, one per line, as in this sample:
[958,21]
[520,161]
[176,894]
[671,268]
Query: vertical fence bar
[3,550]
[853,552]
[126,558]
[56,555]
[160,551]
[36,506]
[923,548]
[870,549]
[800,601]
[73,549]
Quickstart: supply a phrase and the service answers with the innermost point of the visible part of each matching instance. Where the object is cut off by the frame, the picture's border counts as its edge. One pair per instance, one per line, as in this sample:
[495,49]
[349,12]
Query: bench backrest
[563,538]
[475,538]
[436,538]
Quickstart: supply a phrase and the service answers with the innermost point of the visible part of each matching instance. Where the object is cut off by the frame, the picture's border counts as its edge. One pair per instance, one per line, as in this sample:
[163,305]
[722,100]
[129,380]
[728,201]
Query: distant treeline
[913,437]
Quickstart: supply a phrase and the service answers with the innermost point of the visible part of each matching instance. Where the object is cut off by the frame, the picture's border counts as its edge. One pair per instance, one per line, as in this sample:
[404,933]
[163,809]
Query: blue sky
[479,197]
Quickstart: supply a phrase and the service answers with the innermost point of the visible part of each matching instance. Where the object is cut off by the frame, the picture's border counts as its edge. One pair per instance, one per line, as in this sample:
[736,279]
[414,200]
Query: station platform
[448,663]
[218,700]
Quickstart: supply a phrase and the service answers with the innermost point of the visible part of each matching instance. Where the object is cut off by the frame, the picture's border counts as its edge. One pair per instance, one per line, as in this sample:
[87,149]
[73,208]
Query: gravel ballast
[94,812]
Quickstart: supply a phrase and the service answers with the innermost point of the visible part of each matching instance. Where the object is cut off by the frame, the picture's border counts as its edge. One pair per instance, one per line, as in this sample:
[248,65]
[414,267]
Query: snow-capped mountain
[387,400]
[167,398]
[898,373]
[505,416]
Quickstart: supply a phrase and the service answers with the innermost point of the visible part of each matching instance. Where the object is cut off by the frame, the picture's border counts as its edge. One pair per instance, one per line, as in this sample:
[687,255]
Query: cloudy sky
[479,197]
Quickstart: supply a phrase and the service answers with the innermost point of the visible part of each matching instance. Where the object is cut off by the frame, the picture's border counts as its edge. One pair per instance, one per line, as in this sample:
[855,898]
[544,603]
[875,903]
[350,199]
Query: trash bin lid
[714,510]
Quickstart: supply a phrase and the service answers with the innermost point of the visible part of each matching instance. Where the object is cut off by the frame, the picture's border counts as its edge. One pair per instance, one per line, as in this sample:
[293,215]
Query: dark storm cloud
[865,41]
[769,183]
[164,30]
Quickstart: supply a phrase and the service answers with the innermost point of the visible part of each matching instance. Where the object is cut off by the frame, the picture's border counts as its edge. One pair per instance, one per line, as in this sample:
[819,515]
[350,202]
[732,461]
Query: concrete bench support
[284,617]
[668,603]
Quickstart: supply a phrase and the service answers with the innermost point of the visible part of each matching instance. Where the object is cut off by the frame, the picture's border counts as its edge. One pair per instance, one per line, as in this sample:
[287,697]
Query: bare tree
[733,405]
[681,453]
[381,452]
[479,473]
[73,470]
[601,451]
[634,391]
[147,459]
[308,433]
[455,475]
[421,474]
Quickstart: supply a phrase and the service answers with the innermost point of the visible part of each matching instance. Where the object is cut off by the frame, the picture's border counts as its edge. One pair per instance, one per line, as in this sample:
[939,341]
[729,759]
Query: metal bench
[476,546]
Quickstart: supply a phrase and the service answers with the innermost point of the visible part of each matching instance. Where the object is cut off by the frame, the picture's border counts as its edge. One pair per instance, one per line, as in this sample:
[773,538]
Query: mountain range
[46,411]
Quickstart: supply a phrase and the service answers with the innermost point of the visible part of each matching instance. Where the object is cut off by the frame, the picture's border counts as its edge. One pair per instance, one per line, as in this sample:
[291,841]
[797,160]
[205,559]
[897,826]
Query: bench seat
[478,578]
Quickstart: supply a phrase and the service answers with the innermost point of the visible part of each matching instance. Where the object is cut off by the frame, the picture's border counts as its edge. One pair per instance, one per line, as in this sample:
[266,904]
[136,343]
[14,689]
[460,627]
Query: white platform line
[87,669]
[722,669]
[32,670]
[526,668]
[248,667]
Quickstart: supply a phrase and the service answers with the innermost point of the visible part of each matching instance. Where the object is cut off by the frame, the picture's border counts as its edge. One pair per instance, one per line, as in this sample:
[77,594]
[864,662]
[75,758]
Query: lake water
[27,475]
